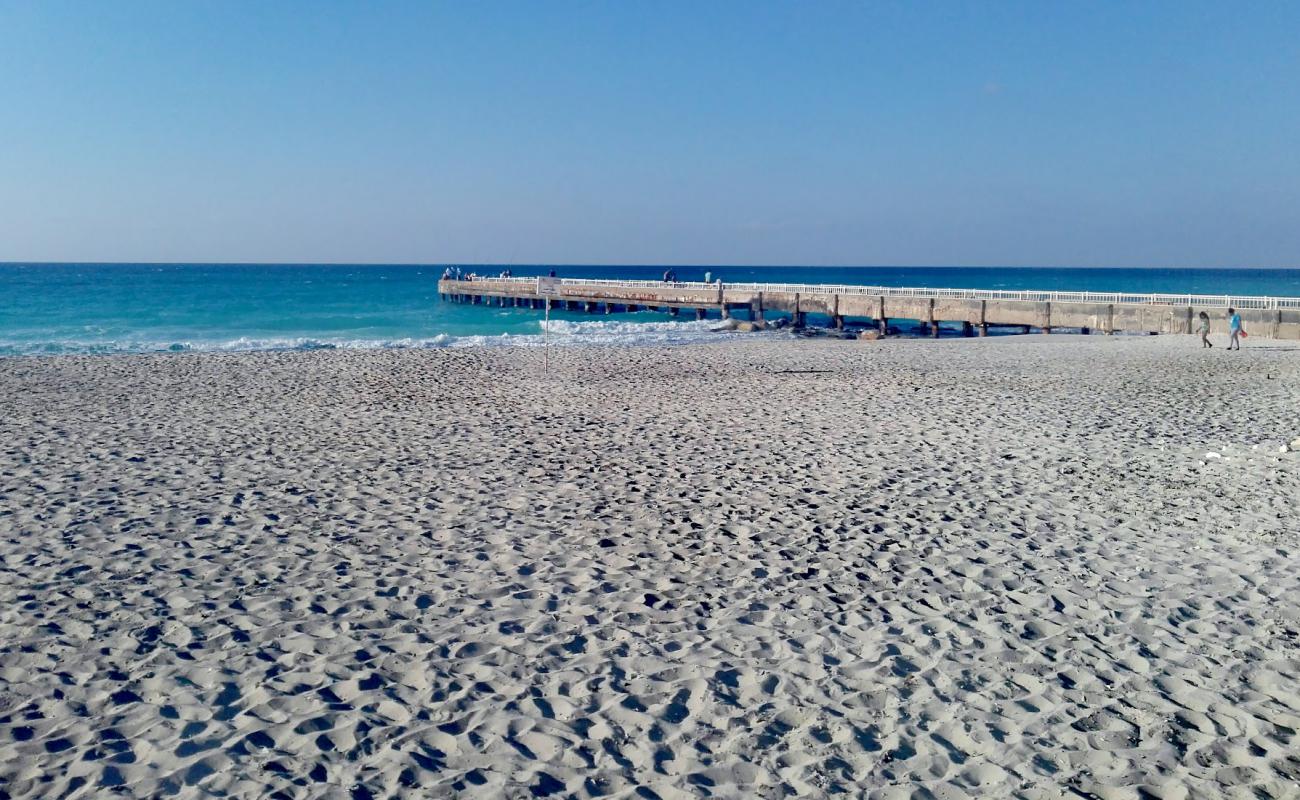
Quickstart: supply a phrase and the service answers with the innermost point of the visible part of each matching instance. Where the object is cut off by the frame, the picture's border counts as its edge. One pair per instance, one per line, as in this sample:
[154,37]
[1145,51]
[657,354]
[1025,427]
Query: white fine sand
[963,568]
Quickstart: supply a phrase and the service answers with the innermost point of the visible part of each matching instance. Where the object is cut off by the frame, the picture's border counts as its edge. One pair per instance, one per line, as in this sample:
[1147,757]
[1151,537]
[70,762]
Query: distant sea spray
[52,309]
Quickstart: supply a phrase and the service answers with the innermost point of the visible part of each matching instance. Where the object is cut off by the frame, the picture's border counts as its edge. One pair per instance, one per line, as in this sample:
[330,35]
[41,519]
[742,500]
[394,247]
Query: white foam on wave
[562,333]
[580,332]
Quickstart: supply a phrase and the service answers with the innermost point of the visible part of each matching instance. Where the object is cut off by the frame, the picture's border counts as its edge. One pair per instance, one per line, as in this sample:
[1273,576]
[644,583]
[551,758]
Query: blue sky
[1080,134]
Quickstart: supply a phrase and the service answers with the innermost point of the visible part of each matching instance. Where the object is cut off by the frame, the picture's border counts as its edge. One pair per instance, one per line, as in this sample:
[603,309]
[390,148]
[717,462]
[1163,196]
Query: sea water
[126,308]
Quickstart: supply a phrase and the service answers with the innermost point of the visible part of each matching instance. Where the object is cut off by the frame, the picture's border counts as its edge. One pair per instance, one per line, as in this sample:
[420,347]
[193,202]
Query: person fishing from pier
[1234,330]
[1204,330]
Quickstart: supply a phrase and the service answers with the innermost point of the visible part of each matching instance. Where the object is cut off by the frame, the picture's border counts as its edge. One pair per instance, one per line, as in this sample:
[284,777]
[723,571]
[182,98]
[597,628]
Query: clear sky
[990,133]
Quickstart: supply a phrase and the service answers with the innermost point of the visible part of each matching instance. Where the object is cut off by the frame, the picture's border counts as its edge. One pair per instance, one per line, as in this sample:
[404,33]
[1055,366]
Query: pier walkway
[975,309]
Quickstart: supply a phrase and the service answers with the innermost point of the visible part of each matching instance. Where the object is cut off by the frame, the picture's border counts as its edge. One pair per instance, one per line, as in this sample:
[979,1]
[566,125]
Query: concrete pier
[975,309]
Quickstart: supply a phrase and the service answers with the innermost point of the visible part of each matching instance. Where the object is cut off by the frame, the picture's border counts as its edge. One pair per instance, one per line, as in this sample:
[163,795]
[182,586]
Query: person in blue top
[1234,329]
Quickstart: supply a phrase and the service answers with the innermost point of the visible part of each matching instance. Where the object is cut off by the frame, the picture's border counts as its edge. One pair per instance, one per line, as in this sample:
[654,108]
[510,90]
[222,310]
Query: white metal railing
[1118,298]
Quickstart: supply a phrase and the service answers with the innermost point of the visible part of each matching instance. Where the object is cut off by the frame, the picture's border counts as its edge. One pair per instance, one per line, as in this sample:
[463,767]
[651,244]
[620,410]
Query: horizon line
[676,265]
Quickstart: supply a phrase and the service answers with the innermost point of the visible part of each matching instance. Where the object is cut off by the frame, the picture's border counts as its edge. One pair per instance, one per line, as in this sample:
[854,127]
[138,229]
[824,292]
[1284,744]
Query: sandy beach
[1034,567]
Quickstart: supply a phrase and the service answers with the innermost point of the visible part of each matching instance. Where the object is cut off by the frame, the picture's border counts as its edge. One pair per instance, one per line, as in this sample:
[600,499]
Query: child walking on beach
[1205,331]
[1234,329]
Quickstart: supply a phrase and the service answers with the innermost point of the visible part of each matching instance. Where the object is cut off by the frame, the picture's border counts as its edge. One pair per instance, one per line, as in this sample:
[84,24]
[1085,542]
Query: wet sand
[1045,566]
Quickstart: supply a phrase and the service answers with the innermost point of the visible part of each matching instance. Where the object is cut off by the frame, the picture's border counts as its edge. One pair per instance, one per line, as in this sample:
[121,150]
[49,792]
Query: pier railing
[1122,298]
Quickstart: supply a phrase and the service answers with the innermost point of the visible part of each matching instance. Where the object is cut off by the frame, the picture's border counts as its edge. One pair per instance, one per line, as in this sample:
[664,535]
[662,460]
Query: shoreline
[573,333]
[982,567]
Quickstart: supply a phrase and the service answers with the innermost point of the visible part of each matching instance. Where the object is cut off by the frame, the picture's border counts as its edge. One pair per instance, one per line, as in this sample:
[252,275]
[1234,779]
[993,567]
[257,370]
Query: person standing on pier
[1204,330]
[1234,329]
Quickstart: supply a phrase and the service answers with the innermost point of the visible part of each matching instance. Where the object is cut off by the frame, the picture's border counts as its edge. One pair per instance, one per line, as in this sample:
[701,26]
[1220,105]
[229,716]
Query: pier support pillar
[672,311]
[934,328]
[591,307]
[756,308]
[1110,320]
[1047,329]
[884,326]
[837,322]
[984,329]
[967,329]
[1086,331]
[726,312]
[700,313]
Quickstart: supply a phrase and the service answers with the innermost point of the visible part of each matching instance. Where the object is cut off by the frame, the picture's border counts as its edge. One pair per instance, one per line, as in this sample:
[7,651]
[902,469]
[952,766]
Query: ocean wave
[562,333]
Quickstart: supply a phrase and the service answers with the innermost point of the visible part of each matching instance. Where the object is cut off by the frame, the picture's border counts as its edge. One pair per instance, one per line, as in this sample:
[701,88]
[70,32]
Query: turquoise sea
[121,308]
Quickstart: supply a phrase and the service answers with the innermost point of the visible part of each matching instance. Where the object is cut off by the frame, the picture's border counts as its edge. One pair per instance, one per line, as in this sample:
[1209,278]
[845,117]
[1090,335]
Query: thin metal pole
[546,336]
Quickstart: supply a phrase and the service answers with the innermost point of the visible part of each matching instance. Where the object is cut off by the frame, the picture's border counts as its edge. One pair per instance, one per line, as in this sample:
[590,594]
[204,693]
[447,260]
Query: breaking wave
[562,333]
